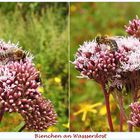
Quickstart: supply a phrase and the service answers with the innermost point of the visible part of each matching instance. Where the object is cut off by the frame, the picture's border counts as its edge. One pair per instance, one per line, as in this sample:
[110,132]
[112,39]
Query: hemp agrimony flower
[134,27]
[19,83]
[117,71]
[135,114]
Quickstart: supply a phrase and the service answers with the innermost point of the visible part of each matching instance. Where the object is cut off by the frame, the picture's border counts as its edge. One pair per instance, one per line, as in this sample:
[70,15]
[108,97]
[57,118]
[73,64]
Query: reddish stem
[106,95]
[121,114]
[130,127]
[122,108]
[121,122]
[1,113]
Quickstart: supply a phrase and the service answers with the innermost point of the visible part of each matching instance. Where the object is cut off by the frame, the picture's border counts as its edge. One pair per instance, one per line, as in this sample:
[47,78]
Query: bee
[112,44]
[18,54]
[15,54]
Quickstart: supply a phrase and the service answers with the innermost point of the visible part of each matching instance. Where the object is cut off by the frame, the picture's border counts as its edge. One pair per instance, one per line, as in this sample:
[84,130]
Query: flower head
[19,83]
[99,62]
[96,61]
[20,86]
[134,27]
[135,114]
[130,47]
[39,114]
[93,62]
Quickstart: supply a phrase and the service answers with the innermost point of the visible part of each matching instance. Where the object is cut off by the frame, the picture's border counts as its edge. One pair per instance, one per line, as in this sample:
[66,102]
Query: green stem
[22,128]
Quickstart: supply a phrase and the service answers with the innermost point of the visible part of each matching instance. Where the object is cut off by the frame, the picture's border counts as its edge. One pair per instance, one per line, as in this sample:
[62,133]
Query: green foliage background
[86,21]
[42,29]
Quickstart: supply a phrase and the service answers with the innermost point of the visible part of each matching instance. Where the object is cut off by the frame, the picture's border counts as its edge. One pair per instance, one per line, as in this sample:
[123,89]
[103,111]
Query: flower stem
[121,122]
[130,127]
[122,114]
[106,95]
[1,113]
[22,128]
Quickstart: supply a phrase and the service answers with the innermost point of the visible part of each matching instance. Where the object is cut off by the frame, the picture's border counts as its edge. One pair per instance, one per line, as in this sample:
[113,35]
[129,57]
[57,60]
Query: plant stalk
[121,122]
[1,113]
[130,128]
[106,95]
[122,114]
[22,128]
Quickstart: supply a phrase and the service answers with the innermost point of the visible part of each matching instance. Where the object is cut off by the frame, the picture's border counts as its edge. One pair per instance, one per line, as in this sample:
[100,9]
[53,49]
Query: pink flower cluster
[117,68]
[19,82]
[98,62]
[18,85]
[135,114]
[39,115]
[134,27]
[94,64]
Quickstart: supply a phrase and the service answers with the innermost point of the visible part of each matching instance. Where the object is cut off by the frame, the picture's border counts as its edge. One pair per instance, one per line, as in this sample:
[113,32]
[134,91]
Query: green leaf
[19,127]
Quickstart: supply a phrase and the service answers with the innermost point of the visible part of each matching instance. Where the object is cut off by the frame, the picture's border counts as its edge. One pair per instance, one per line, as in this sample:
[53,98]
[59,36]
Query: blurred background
[42,29]
[87,20]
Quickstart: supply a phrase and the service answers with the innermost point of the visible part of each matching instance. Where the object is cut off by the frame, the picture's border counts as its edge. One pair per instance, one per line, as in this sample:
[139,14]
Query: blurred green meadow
[87,20]
[42,29]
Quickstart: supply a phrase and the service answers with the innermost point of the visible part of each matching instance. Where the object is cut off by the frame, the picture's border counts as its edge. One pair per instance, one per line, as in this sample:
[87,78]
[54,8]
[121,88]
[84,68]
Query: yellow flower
[41,89]
[52,129]
[66,125]
[102,110]
[72,8]
[85,108]
[38,66]
[57,79]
